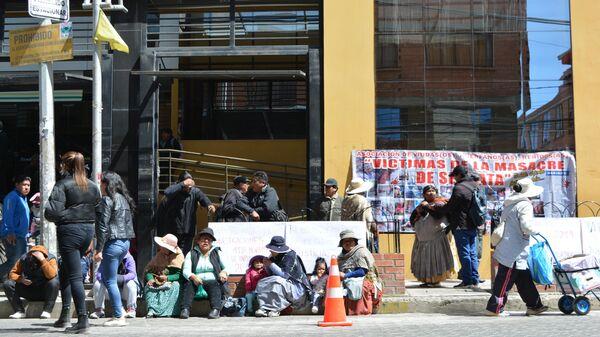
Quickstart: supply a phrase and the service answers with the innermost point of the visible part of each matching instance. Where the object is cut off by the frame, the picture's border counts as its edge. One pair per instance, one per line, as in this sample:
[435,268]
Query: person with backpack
[465,212]
[261,202]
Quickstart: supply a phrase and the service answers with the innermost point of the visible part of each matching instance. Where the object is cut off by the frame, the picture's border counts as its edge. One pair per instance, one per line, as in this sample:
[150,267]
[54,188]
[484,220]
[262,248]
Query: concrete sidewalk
[443,300]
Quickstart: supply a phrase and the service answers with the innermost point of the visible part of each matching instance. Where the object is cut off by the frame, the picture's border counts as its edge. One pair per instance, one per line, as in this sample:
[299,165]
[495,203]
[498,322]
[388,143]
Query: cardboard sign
[41,44]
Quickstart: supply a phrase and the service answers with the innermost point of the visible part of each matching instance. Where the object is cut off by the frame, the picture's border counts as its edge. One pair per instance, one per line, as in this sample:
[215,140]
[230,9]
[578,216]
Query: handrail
[229,158]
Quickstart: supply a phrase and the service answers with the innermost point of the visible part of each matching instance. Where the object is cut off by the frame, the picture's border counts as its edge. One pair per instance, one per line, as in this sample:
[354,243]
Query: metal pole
[97,104]
[47,160]
[231,23]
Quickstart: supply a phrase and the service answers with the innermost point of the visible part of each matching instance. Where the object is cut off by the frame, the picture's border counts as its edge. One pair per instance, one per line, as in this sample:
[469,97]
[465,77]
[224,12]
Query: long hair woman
[114,228]
[72,207]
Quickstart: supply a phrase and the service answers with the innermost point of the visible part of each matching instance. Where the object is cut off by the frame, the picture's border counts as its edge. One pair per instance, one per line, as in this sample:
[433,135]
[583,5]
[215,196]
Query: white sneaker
[45,315]
[260,313]
[116,322]
[130,313]
[314,309]
[273,314]
[500,314]
[17,315]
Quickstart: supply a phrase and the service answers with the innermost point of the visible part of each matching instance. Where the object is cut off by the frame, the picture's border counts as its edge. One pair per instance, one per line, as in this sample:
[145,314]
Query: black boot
[65,318]
[213,314]
[82,325]
[185,313]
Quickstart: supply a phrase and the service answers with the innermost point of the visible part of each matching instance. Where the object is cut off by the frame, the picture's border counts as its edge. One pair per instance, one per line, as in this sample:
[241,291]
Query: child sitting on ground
[255,272]
[318,280]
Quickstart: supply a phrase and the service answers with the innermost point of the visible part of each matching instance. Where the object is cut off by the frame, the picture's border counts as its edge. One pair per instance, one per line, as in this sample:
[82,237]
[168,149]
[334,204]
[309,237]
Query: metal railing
[214,175]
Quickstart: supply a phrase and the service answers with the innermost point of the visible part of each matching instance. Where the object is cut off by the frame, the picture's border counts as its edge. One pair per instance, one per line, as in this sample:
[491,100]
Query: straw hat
[169,242]
[528,189]
[358,186]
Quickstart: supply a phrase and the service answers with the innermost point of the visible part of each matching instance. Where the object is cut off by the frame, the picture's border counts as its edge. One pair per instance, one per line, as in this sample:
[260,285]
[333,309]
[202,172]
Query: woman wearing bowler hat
[287,284]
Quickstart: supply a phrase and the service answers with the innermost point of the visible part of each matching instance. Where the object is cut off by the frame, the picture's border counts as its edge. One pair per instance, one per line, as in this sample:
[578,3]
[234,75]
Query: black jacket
[292,267]
[177,211]
[113,220]
[327,209]
[70,204]
[228,211]
[264,203]
[457,208]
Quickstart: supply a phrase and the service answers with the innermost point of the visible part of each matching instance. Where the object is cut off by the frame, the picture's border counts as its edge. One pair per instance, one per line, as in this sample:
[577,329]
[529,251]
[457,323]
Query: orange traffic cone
[335,312]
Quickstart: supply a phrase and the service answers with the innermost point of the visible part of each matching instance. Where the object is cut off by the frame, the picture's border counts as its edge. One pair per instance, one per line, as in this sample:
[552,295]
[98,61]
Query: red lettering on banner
[499,166]
[443,178]
[430,177]
[441,164]
[485,166]
[393,164]
[420,177]
[431,164]
[551,165]
[512,166]
[561,165]
[419,163]
[541,165]
[522,166]
[531,166]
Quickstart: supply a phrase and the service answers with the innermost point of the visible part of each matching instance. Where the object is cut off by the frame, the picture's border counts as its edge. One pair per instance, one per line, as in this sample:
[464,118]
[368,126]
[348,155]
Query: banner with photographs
[400,175]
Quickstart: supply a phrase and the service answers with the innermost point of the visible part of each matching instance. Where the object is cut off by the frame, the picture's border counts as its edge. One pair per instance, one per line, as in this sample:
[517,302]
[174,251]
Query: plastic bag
[200,293]
[540,264]
[234,307]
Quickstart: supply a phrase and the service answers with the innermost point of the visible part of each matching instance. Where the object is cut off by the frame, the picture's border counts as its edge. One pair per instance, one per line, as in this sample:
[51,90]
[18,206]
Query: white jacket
[513,248]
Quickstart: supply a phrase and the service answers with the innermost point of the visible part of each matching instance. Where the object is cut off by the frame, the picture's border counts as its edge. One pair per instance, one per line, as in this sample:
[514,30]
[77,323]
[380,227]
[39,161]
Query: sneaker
[500,314]
[131,313]
[17,315]
[461,285]
[97,314]
[184,314]
[536,311]
[260,313]
[474,286]
[314,309]
[273,314]
[45,315]
[150,314]
[116,322]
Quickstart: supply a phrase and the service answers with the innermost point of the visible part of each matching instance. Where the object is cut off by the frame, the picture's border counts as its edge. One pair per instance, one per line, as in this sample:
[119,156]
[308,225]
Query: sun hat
[278,245]
[169,242]
[527,189]
[347,234]
[206,231]
[358,186]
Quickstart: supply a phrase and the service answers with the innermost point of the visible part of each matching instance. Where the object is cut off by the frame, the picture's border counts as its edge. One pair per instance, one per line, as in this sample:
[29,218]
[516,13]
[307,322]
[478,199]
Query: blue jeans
[13,253]
[466,245]
[113,253]
[251,303]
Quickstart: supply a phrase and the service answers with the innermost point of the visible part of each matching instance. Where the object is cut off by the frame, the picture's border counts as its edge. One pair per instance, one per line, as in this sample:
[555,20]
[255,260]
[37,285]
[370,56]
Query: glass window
[476,75]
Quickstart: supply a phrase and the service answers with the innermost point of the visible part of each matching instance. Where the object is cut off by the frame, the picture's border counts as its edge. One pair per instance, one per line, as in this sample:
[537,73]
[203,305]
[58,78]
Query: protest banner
[240,241]
[400,175]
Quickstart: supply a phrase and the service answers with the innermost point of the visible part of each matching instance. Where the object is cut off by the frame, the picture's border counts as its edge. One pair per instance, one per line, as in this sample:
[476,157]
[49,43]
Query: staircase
[214,175]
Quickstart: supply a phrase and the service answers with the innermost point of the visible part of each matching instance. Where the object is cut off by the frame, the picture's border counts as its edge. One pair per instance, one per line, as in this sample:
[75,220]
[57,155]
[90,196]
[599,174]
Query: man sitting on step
[34,277]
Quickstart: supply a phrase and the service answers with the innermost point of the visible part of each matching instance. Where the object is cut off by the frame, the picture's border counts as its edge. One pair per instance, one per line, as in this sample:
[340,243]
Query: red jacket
[252,278]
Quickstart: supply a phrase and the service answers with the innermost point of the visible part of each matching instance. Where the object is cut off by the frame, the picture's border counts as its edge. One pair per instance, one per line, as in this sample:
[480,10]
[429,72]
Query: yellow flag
[107,33]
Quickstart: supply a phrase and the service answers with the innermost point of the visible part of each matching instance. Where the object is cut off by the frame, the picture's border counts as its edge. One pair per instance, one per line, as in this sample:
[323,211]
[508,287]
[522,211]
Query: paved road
[550,324]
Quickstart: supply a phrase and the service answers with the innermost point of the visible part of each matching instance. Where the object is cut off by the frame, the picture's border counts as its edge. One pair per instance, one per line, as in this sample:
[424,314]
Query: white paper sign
[49,9]
[240,241]
[590,235]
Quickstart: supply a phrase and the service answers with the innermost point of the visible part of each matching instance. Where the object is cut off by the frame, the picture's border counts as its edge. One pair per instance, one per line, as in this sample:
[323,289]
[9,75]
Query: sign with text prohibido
[41,44]
[49,9]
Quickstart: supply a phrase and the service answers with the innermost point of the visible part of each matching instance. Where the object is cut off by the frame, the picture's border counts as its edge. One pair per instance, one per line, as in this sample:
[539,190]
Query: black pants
[185,241]
[213,289]
[505,278]
[47,292]
[73,241]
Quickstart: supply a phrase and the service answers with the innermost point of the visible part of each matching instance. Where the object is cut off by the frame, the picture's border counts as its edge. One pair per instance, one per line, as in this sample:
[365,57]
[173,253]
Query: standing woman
[72,206]
[114,228]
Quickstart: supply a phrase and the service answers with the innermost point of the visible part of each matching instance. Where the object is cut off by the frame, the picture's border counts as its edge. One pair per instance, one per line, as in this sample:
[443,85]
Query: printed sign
[400,175]
[240,241]
[41,44]
[49,9]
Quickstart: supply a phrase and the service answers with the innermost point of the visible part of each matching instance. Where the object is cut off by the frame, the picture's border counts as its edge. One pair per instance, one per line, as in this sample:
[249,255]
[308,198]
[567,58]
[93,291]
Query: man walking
[15,223]
[34,277]
[462,226]
[329,206]
[177,211]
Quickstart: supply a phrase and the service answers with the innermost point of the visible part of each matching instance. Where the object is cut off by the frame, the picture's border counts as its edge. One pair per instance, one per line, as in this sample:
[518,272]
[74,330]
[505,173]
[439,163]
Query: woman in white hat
[512,251]
[356,207]
[163,277]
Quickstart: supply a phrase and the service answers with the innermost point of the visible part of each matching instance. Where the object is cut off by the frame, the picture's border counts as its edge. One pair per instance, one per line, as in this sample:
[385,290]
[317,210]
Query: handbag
[540,263]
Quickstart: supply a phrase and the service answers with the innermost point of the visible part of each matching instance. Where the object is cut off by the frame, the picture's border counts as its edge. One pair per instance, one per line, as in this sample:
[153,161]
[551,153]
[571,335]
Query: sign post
[96,103]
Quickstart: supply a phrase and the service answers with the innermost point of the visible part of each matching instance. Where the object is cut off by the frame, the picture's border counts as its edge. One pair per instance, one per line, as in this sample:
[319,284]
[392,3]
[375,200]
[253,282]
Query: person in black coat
[177,211]
[228,211]
[261,201]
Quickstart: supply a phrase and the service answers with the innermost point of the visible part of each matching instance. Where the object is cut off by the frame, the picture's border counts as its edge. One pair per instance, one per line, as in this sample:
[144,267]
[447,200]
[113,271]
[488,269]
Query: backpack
[478,207]
[279,215]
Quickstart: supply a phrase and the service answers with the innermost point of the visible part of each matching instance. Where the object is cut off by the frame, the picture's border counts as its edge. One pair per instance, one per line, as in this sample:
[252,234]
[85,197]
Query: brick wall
[390,267]
[391,271]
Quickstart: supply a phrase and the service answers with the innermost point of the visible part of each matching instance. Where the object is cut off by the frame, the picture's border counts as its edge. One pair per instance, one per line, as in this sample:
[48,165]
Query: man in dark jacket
[177,211]
[462,227]
[329,206]
[34,278]
[261,200]
[228,212]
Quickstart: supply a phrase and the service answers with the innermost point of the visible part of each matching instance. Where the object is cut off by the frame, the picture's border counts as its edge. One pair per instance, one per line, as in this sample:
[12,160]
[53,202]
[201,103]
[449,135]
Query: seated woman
[431,261]
[287,285]
[204,268]
[163,276]
[359,275]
